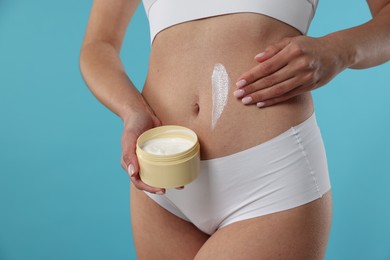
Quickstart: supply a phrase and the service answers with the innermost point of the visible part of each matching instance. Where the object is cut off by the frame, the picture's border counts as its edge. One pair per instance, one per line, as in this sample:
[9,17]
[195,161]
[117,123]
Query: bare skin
[177,91]
[296,65]
[299,233]
[179,76]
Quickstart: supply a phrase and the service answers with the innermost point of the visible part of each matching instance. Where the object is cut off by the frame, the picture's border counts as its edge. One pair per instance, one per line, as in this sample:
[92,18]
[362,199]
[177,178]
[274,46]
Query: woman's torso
[179,87]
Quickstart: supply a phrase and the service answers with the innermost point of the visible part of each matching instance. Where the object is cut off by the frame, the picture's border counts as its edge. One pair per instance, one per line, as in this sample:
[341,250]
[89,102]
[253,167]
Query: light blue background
[63,194]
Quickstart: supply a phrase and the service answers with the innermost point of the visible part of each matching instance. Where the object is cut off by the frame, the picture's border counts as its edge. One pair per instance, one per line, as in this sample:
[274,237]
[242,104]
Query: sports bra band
[165,13]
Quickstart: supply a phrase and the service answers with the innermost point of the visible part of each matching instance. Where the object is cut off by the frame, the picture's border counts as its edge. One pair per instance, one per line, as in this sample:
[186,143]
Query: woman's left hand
[289,68]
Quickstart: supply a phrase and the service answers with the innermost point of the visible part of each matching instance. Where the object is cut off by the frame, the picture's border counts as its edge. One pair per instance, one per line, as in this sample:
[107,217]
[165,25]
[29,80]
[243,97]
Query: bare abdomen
[179,82]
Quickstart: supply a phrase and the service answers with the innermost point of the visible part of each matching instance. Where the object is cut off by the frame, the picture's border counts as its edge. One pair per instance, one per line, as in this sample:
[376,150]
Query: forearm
[366,45]
[105,76]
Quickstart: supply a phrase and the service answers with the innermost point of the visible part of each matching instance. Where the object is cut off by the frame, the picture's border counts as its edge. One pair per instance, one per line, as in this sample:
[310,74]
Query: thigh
[158,234]
[298,233]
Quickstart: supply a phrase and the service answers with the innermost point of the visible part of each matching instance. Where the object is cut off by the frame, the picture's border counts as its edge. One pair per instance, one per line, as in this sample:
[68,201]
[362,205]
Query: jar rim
[166,132]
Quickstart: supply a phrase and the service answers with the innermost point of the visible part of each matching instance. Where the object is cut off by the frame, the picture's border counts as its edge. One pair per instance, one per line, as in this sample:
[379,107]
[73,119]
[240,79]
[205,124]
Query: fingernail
[160,192]
[130,170]
[261,54]
[239,93]
[241,83]
[260,104]
[246,100]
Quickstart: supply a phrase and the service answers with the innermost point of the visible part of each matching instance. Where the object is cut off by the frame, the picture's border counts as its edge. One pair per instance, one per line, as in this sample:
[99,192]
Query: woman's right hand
[135,124]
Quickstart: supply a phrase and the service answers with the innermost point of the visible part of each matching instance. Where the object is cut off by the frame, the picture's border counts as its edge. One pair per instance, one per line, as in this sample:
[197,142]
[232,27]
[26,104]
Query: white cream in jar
[167,145]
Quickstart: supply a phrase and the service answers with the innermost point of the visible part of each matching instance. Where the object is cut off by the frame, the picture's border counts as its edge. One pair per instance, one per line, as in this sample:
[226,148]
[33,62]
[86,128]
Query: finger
[265,55]
[270,102]
[129,160]
[285,90]
[271,92]
[271,50]
[268,67]
[281,75]
[128,152]
[276,90]
[300,69]
[127,167]
[261,70]
[272,59]
[130,163]
[180,188]
[139,184]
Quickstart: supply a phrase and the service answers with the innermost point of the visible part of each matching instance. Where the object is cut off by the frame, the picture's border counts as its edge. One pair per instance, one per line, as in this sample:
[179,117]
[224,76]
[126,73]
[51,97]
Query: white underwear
[286,171]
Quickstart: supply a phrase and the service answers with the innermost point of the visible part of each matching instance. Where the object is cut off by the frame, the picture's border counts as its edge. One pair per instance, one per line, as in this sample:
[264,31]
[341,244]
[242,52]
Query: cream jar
[168,156]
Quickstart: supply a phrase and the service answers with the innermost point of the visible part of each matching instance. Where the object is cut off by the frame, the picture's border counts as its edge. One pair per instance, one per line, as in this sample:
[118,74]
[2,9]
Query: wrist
[127,112]
[344,49]
[130,109]
[133,109]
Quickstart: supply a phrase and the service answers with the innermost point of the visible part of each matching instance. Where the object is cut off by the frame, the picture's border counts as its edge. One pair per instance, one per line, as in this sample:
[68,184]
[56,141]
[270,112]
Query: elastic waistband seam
[298,139]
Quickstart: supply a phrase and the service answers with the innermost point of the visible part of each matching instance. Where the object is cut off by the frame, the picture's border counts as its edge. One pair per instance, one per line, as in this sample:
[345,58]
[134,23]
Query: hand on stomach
[191,59]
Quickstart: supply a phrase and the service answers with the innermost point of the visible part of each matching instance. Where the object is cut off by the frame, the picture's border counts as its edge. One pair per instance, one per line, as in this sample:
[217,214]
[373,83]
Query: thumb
[133,168]
[130,164]
[129,159]
[271,50]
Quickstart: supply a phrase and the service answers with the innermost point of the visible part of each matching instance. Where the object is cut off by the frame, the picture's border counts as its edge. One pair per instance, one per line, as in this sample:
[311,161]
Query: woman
[240,76]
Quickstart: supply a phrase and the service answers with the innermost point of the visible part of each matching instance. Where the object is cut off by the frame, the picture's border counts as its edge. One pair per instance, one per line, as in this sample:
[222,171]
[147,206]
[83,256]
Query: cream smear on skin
[220,90]
[167,146]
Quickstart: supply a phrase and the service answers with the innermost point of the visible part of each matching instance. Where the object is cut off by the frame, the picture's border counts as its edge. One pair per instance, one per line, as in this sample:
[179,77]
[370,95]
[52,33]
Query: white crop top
[165,13]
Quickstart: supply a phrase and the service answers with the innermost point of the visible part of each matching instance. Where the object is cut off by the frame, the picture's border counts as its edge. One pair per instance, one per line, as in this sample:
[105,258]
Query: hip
[282,173]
